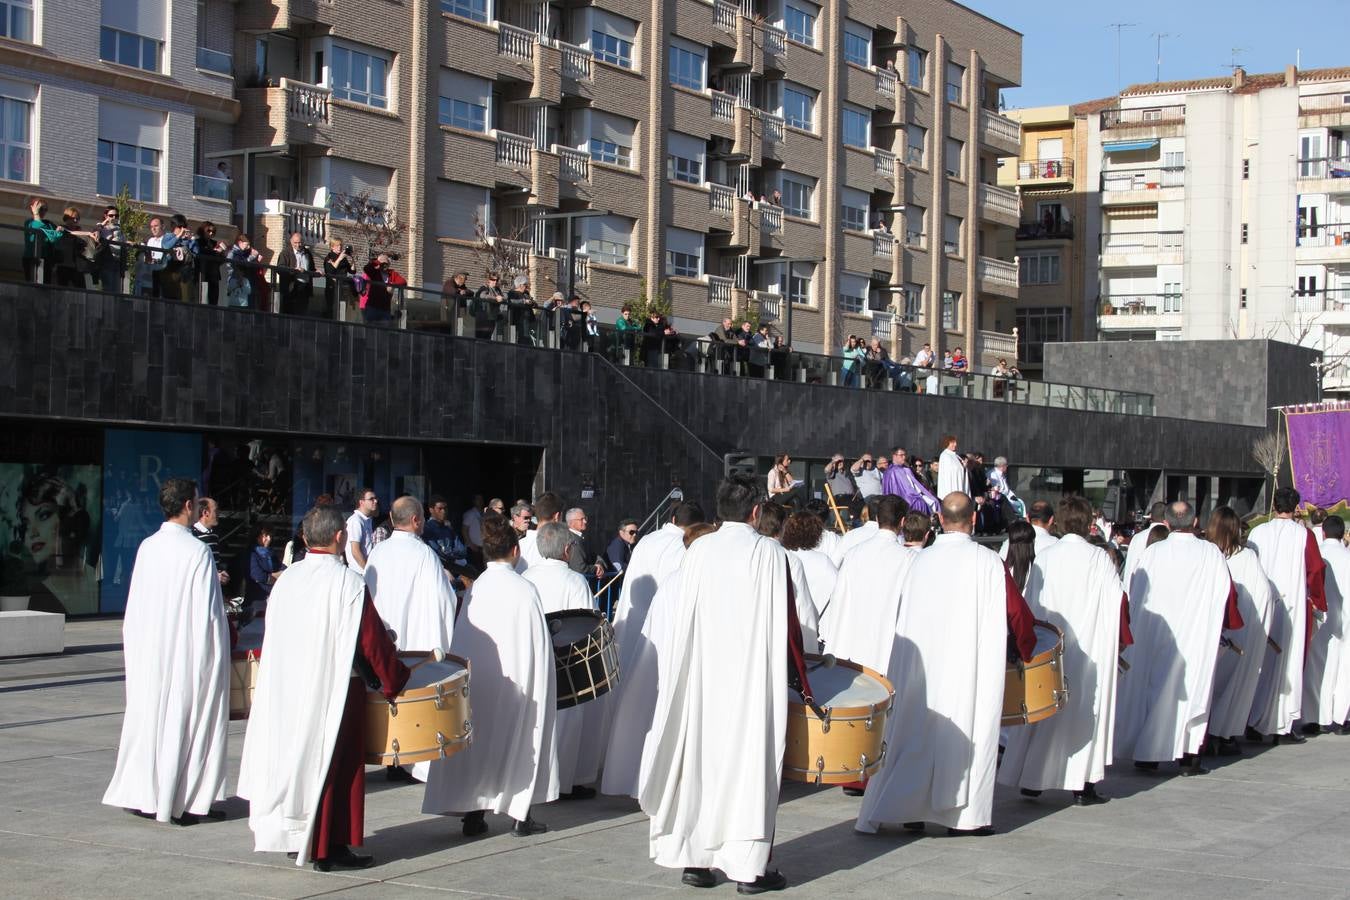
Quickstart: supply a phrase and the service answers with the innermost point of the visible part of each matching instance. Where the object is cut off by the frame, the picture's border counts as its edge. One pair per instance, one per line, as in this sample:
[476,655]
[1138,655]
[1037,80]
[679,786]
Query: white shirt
[359,531]
[473,521]
[868,482]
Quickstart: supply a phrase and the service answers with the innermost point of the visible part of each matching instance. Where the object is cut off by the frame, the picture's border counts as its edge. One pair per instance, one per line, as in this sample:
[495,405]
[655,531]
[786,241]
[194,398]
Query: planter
[13,603]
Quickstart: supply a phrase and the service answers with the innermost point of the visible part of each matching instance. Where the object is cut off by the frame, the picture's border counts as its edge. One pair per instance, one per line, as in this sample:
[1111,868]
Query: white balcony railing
[886,82]
[999,199]
[573,165]
[775,41]
[307,103]
[883,244]
[576,62]
[996,343]
[310,221]
[1324,167]
[720,290]
[770,217]
[514,150]
[770,305]
[1337,101]
[883,325]
[723,106]
[997,271]
[1148,178]
[724,16]
[517,43]
[1000,128]
[721,199]
[515,254]
[1142,242]
[774,128]
[884,162]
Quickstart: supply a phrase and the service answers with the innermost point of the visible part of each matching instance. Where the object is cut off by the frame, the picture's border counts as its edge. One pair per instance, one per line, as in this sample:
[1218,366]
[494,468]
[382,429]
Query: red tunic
[1315,571]
[1021,623]
[1232,617]
[1126,635]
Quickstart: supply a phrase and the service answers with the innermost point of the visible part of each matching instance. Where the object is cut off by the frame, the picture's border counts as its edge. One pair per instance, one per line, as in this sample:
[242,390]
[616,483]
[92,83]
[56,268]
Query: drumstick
[607,584]
[1231,645]
[1274,646]
[1122,664]
[437,655]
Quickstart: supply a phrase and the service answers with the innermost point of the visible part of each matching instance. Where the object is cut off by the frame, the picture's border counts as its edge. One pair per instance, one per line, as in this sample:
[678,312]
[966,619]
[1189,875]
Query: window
[16,136]
[684,160]
[951,234]
[611,139]
[913,302]
[857,43]
[796,283]
[609,239]
[915,138]
[852,292]
[16,20]
[1038,326]
[127,49]
[799,107]
[1172,297]
[799,195]
[916,63]
[856,209]
[129,145]
[799,21]
[1242,298]
[1039,267]
[956,76]
[1244,232]
[951,302]
[461,209]
[477,10]
[1246,169]
[914,225]
[610,152]
[612,38]
[952,159]
[348,178]
[857,127]
[684,253]
[360,76]
[464,101]
[687,63]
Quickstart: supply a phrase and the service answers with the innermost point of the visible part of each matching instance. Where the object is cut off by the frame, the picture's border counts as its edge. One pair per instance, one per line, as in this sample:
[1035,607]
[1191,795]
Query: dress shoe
[1312,729]
[1345,728]
[1146,766]
[1088,796]
[773,880]
[1190,766]
[982,831]
[578,793]
[699,878]
[1253,735]
[851,791]
[141,815]
[527,827]
[913,826]
[398,773]
[343,858]
[1227,747]
[187,818]
[1292,737]
[1028,792]
[475,823]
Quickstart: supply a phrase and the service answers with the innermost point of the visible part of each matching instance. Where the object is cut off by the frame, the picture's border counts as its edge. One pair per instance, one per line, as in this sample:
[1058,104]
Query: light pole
[569,239]
[787,296]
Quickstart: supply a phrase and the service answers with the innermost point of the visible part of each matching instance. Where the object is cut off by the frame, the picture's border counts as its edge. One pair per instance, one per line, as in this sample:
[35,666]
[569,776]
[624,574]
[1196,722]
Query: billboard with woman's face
[50,533]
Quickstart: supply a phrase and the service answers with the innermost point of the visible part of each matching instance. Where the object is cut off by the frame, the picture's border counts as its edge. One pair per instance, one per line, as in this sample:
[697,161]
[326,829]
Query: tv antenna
[1234,53]
[1119,27]
[1158,36]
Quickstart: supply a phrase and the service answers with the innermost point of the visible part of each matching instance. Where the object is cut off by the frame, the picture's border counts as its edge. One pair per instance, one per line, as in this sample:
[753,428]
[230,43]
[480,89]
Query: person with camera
[108,258]
[210,255]
[244,261]
[524,310]
[456,293]
[487,307]
[176,266]
[866,476]
[377,302]
[337,274]
[296,288]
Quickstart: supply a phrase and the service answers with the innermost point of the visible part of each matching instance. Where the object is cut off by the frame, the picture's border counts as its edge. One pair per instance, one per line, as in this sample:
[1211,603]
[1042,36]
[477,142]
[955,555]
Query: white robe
[313,620]
[1337,557]
[821,574]
[860,623]
[1178,598]
[952,474]
[413,597]
[653,564]
[947,669]
[529,551]
[713,761]
[807,617]
[1235,676]
[579,728]
[864,532]
[1044,541]
[512,762]
[1280,545]
[1072,585]
[829,540]
[176,650]
[1322,702]
[1134,551]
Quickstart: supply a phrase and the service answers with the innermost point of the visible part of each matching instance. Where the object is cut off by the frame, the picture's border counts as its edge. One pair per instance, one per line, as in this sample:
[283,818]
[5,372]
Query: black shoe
[343,858]
[1028,792]
[699,878]
[141,815]
[982,831]
[913,826]
[1227,747]
[850,791]
[1146,766]
[398,773]
[578,793]
[1312,729]
[1088,796]
[1292,737]
[188,819]
[1190,766]
[528,827]
[475,823]
[772,880]
[1253,735]
[1345,728]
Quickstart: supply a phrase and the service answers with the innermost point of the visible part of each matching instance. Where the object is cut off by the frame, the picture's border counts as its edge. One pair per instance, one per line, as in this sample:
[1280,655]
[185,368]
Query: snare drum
[244,660]
[586,659]
[849,744]
[430,719]
[1037,690]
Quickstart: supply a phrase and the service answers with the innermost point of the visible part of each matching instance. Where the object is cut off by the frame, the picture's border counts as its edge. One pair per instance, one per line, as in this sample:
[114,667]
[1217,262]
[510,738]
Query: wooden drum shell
[243,681]
[1035,691]
[431,722]
[849,747]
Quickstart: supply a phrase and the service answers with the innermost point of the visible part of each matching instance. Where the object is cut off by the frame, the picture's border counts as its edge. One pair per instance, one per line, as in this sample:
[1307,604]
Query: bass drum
[849,744]
[430,719]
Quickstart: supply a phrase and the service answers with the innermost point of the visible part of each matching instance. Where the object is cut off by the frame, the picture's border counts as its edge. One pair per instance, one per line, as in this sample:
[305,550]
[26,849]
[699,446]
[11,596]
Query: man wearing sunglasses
[866,476]
[621,548]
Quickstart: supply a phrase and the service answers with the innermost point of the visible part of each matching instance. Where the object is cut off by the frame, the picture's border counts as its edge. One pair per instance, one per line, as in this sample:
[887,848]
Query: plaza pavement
[1274,823]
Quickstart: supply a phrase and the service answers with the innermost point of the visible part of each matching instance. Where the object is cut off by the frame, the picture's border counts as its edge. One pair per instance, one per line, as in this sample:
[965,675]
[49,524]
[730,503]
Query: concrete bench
[29,633]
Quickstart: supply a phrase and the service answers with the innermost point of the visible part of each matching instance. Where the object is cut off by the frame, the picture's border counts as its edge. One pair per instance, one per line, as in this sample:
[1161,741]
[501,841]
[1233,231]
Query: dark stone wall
[1210,381]
[82,357]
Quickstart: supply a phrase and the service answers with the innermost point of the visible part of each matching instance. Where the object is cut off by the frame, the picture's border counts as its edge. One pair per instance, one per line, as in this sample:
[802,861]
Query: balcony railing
[999,128]
[1336,101]
[721,199]
[1039,231]
[576,61]
[884,162]
[210,186]
[1149,178]
[516,254]
[1335,300]
[514,150]
[310,221]
[1139,304]
[573,165]
[581,264]
[996,343]
[307,103]
[1151,115]
[1000,199]
[883,244]
[217,61]
[883,325]
[517,43]
[1142,242]
[720,290]
[1045,170]
[770,305]
[770,218]
[774,128]
[996,271]
[1332,234]
[1324,167]
[724,16]
[775,41]
[887,82]
[723,106]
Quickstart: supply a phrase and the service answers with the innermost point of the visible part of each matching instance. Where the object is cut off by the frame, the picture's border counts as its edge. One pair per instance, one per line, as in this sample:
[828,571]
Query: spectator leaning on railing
[39,242]
[338,269]
[109,255]
[377,301]
[148,262]
[295,288]
[210,254]
[243,259]
[71,262]
[487,307]
[178,267]
[854,355]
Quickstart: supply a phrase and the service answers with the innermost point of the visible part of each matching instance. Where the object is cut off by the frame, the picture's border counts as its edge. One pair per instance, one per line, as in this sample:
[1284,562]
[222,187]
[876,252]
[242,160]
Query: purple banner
[1318,438]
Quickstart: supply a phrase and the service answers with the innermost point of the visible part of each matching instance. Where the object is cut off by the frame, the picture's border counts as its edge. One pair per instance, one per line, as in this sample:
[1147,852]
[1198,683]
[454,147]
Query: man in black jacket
[487,308]
[297,265]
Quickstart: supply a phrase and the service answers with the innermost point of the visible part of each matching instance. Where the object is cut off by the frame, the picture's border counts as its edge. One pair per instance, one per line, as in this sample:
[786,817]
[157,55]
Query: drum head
[843,687]
[430,672]
[1047,639]
[250,636]
[572,626]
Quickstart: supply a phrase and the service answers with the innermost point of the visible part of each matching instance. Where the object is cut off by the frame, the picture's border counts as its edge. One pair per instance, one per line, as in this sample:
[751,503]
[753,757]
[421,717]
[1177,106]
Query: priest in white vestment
[953,477]
[303,765]
[714,758]
[958,606]
[855,536]
[1289,554]
[579,728]
[1073,585]
[1236,674]
[1041,515]
[653,565]
[512,762]
[176,650]
[1139,540]
[412,594]
[1324,701]
[1181,598]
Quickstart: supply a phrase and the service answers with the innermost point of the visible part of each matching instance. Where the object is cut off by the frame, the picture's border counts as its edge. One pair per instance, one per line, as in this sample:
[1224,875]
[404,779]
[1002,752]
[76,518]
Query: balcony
[1323,243]
[576,61]
[581,264]
[1001,205]
[887,83]
[770,218]
[884,161]
[721,199]
[774,128]
[723,106]
[1039,231]
[724,16]
[210,187]
[217,61]
[1146,248]
[574,166]
[516,254]
[1324,167]
[1331,306]
[720,290]
[286,217]
[883,326]
[514,151]
[770,305]
[775,42]
[883,244]
[1148,178]
[1000,132]
[515,43]
[1045,171]
[1325,104]
[995,345]
[997,276]
[1139,312]
[1143,117]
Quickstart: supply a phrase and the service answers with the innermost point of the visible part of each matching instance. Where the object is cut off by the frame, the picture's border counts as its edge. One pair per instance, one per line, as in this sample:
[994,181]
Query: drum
[1037,690]
[244,669]
[849,744]
[585,657]
[431,718]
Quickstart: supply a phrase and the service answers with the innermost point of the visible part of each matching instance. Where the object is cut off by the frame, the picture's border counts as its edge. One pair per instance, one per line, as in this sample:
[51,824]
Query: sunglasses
[630,531]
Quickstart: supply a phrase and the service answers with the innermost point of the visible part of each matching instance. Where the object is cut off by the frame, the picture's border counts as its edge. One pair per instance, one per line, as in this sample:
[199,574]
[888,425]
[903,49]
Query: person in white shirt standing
[952,474]
[361,531]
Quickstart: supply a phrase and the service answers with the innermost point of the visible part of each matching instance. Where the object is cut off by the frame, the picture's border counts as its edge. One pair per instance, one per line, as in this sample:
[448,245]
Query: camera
[393,257]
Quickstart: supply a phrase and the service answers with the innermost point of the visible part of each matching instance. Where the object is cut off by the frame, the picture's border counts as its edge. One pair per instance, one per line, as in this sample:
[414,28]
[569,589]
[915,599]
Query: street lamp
[788,261]
[569,241]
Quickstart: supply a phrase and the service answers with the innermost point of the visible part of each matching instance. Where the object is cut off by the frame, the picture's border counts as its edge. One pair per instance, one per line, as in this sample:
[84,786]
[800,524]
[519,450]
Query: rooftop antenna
[1233,60]
[1119,27]
[1158,36]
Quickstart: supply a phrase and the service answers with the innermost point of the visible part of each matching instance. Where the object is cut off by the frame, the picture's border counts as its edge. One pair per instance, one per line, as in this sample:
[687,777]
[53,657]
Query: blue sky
[1069,50]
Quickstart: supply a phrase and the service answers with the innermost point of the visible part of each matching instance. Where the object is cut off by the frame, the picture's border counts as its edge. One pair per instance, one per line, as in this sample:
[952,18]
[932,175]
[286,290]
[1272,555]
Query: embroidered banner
[1319,453]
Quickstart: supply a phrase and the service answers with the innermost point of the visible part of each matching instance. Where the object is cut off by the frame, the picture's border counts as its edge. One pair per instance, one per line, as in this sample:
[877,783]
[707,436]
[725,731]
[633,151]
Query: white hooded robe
[1337,557]
[1322,704]
[1280,544]
[952,474]
[859,625]
[1235,677]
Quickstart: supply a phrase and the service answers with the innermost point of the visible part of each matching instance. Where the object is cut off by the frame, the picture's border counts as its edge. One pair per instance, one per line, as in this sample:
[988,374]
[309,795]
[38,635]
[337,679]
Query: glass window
[799,21]
[916,62]
[915,138]
[954,157]
[16,139]
[463,114]
[127,49]
[851,303]
[684,253]
[798,196]
[686,66]
[913,302]
[914,225]
[956,75]
[951,234]
[1039,267]
[611,49]
[796,284]
[126,166]
[854,217]
[857,44]
[857,127]
[680,168]
[1038,326]
[951,302]
[16,20]
[360,77]
[477,10]
[610,152]
[799,107]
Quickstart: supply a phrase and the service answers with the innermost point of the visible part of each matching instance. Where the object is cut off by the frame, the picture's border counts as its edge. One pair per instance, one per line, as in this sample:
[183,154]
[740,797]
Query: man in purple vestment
[899,480]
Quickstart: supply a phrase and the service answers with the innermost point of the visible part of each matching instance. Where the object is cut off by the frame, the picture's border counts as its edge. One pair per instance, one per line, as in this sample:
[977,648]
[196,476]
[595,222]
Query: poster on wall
[51,535]
[135,464]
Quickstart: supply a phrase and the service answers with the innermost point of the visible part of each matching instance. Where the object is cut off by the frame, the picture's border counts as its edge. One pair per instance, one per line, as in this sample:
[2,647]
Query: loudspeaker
[736,464]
